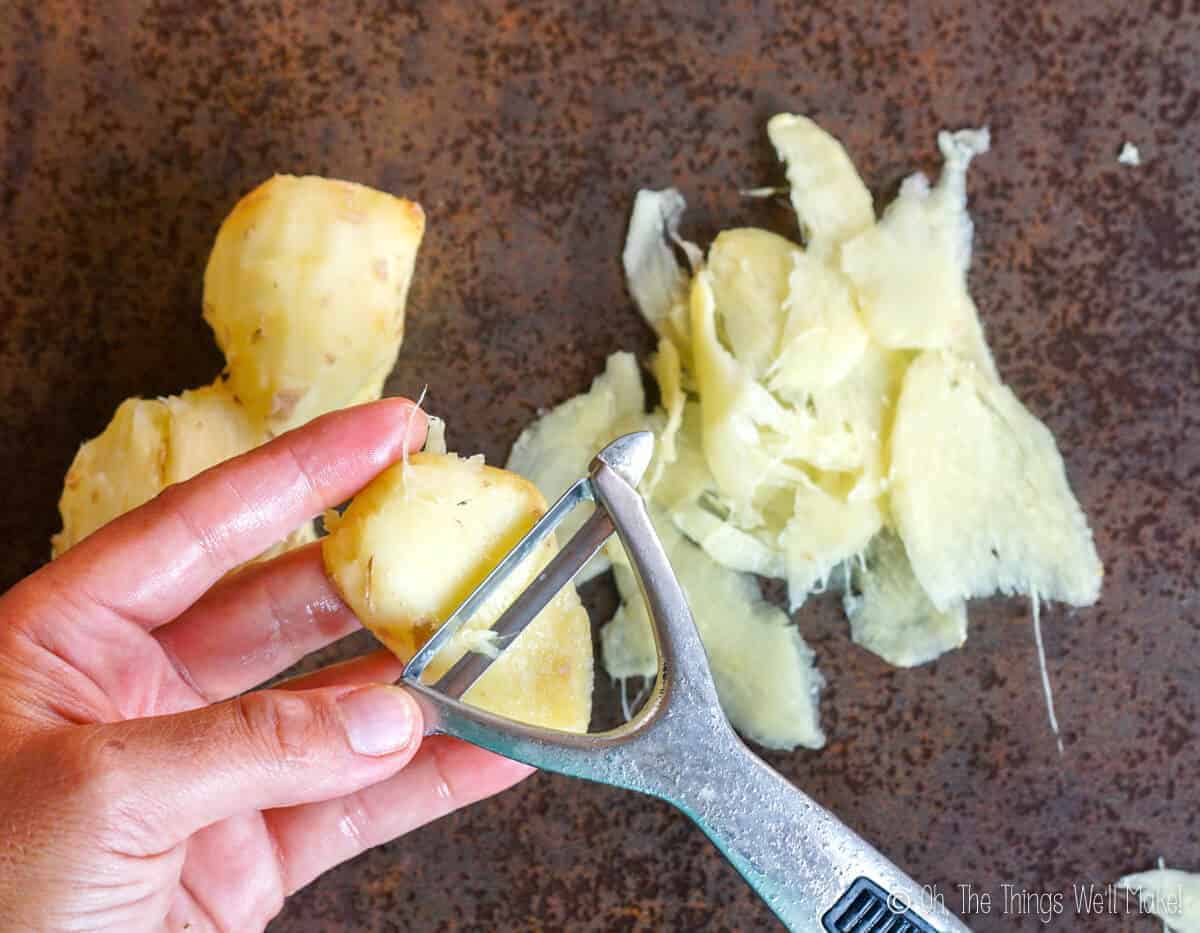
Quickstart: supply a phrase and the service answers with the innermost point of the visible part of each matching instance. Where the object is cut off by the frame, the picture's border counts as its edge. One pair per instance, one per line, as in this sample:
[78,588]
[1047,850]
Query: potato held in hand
[305,291]
[418,540]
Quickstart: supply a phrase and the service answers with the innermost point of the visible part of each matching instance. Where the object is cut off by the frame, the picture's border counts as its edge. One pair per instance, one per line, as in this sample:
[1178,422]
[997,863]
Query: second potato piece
[419,539]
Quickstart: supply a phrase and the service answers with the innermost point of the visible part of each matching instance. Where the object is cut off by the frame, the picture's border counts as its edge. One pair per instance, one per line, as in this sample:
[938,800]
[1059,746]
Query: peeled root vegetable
[419,539]
[305,291]
[149,445]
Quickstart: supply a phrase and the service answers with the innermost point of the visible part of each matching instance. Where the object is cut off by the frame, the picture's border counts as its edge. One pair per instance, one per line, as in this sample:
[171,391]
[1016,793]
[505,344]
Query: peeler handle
[814,872]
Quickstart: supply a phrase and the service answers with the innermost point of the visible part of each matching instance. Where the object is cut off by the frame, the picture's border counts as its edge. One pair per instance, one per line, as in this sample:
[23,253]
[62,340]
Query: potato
[980,494]
[149,445]
[418,540]
[305,290]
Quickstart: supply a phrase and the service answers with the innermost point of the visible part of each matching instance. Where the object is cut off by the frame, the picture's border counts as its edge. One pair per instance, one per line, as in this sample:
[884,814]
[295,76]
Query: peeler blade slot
[554,576]
[581,491]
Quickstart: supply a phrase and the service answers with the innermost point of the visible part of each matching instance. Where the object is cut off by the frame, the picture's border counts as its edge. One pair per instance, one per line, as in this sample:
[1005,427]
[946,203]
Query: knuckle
[285,727]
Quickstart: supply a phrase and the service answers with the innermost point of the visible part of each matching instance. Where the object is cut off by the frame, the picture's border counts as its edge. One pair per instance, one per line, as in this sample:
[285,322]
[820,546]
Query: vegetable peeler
[813,872]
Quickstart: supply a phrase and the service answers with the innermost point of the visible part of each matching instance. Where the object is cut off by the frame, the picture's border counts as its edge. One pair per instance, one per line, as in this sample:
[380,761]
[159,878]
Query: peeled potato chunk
[419,539]
[980,494]
[305,290]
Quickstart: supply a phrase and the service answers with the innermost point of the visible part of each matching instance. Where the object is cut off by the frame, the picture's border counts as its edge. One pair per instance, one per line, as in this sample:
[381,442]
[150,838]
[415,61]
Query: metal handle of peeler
[814,872]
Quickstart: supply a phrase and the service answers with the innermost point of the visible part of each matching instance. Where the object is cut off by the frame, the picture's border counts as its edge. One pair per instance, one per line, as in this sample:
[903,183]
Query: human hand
[141,788]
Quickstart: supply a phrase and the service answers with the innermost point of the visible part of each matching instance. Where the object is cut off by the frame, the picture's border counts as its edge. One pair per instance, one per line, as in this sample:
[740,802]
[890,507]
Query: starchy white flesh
[796,429]
[151,444]
[419,539]
[556,450]
[890,614]
[765,673]
[980,494]
[829,198]
[305,290]
[1171,895]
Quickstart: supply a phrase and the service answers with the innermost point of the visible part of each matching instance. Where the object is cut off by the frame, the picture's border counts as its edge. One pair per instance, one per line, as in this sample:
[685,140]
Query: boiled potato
[305,290]
[419,539]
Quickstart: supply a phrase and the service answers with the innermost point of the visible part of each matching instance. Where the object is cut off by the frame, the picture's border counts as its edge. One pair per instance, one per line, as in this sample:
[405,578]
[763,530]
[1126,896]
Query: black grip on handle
[868,908]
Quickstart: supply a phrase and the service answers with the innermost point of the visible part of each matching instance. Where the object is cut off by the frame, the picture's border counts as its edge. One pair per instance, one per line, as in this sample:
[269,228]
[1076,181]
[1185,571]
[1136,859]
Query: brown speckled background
[127,130]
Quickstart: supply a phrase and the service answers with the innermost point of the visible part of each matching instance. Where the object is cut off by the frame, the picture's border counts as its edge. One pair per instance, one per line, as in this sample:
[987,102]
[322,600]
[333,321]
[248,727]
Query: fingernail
[378,720]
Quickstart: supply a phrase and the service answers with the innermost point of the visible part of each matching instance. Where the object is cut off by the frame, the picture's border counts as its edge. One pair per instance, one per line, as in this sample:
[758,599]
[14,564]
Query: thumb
[167,777]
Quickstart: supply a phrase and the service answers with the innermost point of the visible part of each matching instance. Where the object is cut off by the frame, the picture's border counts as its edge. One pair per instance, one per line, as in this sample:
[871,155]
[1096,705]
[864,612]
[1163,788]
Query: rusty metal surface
[127,130]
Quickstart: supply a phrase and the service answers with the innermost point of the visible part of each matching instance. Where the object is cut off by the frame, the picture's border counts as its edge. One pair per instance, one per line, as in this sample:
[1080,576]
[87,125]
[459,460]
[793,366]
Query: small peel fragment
[826,529]
[909,271]
[765,674]
[1129,155]
[554,451]
[823,338]
[890,614]
[658,283]
[1171,895]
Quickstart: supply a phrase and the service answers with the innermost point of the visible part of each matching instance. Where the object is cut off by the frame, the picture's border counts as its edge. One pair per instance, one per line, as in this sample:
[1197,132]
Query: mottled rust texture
[129,130]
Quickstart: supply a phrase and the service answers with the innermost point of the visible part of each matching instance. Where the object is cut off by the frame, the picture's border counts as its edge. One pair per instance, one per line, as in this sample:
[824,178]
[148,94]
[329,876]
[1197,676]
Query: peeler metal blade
[629,457]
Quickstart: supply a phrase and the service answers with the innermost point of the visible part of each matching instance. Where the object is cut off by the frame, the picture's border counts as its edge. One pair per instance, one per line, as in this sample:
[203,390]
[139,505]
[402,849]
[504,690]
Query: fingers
[378,667]
[253,625]
[445,775]
[149,565]
[167,777]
